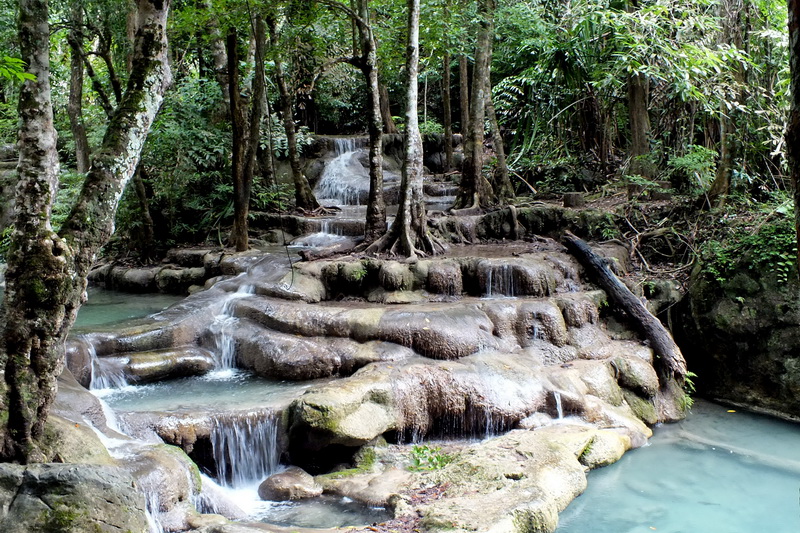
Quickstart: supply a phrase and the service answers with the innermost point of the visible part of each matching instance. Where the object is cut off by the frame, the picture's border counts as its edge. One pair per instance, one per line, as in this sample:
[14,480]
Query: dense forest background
[587,94]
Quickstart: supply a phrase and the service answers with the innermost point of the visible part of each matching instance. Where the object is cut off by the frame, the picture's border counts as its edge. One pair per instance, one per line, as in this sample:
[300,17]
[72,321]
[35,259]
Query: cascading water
[245,448]
[500,281]
[105,374]
[224,343]
[344,180]
[559,408]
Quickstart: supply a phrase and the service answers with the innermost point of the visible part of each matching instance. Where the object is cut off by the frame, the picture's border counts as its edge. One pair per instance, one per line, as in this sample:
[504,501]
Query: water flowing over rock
[245,448]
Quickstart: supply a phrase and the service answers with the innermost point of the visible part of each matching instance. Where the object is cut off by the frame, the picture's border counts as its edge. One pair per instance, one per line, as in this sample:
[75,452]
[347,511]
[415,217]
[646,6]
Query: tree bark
[639,125]
[386,113]
[463,95]
[46,276]
[75,102]
[672,365]
[475,191]
[303,195]
[408,235]
[793,128]
[501,182]
[148,233]
[447,111]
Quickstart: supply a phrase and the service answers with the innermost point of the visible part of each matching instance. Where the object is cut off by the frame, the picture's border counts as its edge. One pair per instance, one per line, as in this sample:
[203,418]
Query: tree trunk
[376,207]
[304,196]
[148,234]
[463,95]
[475,190]
[409,235]
[218,54]
[672,364]
[447,111]
[46,275]
[501,182]
[729,138]
[238,238]
[386,113]
[793,128]
[640,125]
[75,102]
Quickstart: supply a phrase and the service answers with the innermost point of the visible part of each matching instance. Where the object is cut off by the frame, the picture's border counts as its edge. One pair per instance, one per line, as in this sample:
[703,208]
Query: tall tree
[246,128]
[408,235]
[303,195]
[475,191]
[75,102]
[46,276]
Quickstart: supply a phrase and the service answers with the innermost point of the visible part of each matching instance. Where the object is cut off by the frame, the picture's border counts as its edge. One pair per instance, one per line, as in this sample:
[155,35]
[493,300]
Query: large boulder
[70,498]
[741,339]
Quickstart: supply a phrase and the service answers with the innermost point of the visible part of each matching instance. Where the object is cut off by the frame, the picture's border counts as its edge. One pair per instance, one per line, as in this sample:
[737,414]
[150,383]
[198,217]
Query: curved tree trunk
[475,191]
[46,275]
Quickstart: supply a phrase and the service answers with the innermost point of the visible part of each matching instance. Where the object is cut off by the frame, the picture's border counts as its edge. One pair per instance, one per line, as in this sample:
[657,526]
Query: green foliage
[69,187]
[695,169]
[8,123]
[280,143]
[762,245]
[687,401]
[13,68]
[431,127]
[425,458]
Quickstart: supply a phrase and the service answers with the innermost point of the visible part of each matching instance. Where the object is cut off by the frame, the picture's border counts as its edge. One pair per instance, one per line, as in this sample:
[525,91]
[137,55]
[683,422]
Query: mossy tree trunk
[463,92]
[447,111]
[46,276]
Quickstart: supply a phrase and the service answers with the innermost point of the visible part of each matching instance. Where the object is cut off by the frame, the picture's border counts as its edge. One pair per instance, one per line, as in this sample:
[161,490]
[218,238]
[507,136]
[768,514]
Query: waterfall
[500,281]
[344,179]
[222,327]
[559,409]
[245,447]
[152,510]
[105,374]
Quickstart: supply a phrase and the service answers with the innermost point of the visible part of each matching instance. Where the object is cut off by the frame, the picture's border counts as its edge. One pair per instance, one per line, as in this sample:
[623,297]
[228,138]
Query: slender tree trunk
[148,233]
[386,113]
[729,138]
[75,102]
[218,54]
[463,95]
[376,206]
[793,129]
[239,136]
[409,235]
[639,124]
[501,182]
[46,274]
[448,113]
[304,196]
[475,190]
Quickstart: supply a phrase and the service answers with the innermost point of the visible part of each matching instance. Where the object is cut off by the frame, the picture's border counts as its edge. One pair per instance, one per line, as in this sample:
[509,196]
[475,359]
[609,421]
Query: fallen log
[670,362]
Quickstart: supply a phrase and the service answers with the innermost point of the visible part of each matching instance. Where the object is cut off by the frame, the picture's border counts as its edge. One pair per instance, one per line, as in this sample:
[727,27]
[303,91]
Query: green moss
[643,409]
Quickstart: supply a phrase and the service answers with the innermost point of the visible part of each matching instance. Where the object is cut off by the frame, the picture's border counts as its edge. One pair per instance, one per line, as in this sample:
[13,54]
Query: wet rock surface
[291,484]
[509,346]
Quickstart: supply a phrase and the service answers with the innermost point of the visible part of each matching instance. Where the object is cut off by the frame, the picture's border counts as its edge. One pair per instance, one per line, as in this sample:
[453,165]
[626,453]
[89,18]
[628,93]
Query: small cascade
[500,282]
[344,180]
[245,448]
[559,408]
[152,511]
[105,374]
[224,323]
